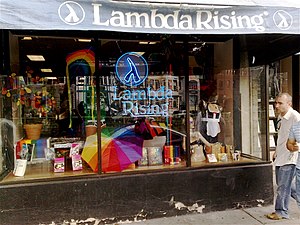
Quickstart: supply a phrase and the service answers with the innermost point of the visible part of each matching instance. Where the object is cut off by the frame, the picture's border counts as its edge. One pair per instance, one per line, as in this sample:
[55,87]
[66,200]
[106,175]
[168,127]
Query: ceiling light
[84,40]
[36,57]
[27,38]
[298,53]
[46,70]
[51,78]
[147,42]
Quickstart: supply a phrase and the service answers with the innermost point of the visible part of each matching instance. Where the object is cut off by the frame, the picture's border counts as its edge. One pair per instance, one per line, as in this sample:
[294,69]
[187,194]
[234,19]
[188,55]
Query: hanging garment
[212,118]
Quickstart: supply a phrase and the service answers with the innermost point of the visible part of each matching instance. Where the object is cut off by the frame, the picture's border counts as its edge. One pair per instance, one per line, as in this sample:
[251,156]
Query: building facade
[113,109]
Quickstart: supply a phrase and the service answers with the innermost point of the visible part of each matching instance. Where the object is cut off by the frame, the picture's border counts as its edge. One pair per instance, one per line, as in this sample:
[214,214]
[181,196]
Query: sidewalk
[251,216]
[248,216]
[243,216]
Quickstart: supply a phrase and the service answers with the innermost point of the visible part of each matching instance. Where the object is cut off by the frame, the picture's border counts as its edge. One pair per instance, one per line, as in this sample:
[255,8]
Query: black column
[4,52]
[295,81]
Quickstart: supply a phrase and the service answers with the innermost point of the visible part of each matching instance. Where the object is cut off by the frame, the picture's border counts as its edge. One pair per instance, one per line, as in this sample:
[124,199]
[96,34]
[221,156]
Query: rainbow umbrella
[119,149]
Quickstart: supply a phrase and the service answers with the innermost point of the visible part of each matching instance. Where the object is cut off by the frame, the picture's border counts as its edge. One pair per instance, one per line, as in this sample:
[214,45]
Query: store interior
[207,63]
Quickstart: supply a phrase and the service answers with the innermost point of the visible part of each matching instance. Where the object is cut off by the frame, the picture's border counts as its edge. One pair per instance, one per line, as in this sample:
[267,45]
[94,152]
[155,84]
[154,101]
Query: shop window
[136,99]
[143,118]
[227,112]
[279,74]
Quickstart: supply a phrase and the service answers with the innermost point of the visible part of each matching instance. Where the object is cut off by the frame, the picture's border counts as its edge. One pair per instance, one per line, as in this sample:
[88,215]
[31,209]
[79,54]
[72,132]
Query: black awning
[173,17]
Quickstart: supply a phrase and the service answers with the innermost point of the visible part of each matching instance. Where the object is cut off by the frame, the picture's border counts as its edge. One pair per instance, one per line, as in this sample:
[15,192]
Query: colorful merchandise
[154,156]
[120,148]
[144,160]
[59,165]
[171,154]
[76,162]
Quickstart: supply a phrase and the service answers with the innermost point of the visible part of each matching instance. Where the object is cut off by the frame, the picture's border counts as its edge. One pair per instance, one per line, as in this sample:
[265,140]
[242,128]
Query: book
[74,150]
[272,126]
[167,150]
[271,111]
[20,167]
[222,157]
[144,160]
[154,156]
[272,141]
[211,158]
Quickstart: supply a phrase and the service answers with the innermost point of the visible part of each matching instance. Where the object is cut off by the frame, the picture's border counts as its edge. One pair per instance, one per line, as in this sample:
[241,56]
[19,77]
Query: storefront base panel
[137,196]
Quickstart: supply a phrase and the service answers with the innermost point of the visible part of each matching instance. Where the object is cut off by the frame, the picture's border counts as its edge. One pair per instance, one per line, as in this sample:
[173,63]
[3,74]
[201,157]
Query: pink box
[76,162]
[59,165]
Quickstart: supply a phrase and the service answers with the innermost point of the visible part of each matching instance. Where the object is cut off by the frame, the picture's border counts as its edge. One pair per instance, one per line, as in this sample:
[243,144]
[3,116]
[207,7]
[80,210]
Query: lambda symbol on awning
[282,19]
[72,17]
[71,13]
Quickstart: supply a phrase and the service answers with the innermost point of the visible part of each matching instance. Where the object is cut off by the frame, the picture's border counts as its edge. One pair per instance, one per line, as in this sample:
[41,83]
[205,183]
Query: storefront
[120,110]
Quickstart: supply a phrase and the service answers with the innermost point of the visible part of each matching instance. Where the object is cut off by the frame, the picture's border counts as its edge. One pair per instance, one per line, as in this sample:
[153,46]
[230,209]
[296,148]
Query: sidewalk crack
[253,216]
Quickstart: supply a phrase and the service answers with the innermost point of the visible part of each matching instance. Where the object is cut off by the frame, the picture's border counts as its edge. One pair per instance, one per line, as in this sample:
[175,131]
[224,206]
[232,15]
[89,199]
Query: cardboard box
[154,156]
[59,165]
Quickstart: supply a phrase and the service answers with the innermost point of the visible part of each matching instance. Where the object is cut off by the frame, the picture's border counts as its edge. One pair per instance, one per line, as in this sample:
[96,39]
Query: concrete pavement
[242,216]
[246,216]
[249,216]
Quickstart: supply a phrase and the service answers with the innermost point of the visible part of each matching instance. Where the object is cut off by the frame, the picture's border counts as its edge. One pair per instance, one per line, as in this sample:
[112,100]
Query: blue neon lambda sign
[131,69]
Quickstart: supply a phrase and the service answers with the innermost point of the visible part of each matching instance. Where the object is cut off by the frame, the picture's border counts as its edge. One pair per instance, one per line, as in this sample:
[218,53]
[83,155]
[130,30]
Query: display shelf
[272,125]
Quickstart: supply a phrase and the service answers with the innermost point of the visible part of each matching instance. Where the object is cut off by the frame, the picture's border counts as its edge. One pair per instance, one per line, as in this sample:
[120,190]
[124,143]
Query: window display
[136,100]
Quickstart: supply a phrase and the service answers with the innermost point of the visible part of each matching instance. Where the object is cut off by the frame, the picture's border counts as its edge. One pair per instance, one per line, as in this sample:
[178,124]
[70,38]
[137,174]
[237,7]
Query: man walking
[292,145]
[285,160]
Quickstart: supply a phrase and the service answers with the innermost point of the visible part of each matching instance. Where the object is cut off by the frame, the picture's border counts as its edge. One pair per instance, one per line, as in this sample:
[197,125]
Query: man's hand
[292,145]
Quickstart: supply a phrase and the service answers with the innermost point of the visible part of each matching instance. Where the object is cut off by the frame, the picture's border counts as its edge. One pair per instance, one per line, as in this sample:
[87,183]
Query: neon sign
[132,70]
[131,101]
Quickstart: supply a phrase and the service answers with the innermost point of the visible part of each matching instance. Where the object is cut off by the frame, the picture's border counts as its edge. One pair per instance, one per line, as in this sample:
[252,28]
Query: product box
[19,148]
[59,165]
[176,150]
[20,167]
[74,149]
[197,153]
[167,154]
[222,157]
[211,158]
[154,156]
[171,154]
[216,148]
[144,160]
[76,162]
[49,153]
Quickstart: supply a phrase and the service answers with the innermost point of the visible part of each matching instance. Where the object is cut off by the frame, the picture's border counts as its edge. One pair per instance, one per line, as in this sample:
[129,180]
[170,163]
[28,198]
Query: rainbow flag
[84,55]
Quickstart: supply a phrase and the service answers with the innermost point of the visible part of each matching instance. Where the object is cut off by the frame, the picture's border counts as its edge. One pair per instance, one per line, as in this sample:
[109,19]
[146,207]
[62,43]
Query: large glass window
[143,106]
[227,111]
[160,102]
